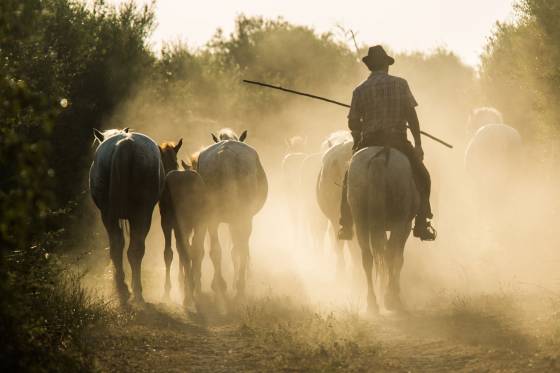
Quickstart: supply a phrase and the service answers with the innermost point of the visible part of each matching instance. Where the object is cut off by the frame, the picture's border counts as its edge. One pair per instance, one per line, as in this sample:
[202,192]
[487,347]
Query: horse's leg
[240,234]
[196,256]
[183,249]
[116,246]
[395,261]
[166,226]
[362,234]
[218,283]
[355,254]
[139,227]
[180,267]
[338,246]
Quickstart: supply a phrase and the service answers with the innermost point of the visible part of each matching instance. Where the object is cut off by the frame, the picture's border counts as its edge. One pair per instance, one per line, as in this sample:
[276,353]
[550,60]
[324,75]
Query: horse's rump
[334,164]
[235,178]
[184,196]
[382,189]
[127,175]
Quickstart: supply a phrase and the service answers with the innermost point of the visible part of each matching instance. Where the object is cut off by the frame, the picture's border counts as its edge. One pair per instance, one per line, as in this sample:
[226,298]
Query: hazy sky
[462,26]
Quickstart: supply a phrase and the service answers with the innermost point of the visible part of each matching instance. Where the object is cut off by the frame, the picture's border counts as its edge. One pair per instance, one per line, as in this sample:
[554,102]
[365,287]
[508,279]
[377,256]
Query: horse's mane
[112,132]
[194,159]
[167,146]
[296,143]
[335,138]
[227,134]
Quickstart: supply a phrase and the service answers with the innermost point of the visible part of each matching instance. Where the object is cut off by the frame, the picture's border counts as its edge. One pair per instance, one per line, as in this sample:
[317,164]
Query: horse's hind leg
[240,233]
[139,227]
[116,246]
[218,283]
[196,255]
[166,226]
[395,261]
[338,246]
[183,248]
[362,233]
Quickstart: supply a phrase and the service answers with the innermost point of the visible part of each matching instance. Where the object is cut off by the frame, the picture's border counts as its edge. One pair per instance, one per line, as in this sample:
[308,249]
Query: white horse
[315,224]
[383,198]
[291,176]
[237,188]
[334,164]
[126,179]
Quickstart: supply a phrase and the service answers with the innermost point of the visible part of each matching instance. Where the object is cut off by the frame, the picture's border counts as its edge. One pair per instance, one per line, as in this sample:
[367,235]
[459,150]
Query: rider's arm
[414,125]
[355,122]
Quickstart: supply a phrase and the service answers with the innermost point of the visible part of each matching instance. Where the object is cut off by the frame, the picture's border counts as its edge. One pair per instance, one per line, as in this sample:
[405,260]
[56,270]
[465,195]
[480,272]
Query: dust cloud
[494,236]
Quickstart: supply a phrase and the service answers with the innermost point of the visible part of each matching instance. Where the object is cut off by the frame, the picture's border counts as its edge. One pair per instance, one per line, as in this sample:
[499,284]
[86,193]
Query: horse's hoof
[124,294]
[139,300]
[219,286]
[394,303]
[190,308]
[373,310]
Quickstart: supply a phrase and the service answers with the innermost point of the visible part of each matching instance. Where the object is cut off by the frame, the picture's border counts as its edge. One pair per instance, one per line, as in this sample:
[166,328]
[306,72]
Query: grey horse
[237,188]
[331,176]
[126,179]
[383,198]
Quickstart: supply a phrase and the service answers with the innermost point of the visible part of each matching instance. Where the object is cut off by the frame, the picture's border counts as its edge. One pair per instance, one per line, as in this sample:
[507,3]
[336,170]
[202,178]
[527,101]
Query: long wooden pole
[332,102]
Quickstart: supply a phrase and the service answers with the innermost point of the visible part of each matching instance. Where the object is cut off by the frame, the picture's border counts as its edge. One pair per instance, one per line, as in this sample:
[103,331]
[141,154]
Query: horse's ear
[98,135]
[215,138]
[178,146]
[185,165]
[125,130]
[243,136]
[329,143]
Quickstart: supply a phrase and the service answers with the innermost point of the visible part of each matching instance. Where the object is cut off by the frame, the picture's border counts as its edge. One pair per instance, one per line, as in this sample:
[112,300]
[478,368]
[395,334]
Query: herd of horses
[225,183]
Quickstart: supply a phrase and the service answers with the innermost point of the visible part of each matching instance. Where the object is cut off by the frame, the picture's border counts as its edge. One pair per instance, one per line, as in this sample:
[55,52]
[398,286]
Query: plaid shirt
[380,103]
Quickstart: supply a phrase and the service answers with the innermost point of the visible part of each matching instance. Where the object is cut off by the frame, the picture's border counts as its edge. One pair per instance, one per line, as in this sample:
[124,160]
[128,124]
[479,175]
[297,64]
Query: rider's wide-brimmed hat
[377,57]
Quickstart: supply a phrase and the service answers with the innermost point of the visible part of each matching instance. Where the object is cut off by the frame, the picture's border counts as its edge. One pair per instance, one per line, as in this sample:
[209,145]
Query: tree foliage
[521,69]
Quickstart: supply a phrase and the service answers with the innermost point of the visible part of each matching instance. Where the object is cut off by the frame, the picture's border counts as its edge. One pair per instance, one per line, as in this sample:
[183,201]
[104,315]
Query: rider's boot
[423,229]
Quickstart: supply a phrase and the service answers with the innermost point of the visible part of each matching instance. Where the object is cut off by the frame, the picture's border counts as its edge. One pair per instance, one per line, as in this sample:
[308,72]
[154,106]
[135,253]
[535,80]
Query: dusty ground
[488,333]
[475,305]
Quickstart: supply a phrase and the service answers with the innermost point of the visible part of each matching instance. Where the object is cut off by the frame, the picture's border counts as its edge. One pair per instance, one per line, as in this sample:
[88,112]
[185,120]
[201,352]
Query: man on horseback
[380,110]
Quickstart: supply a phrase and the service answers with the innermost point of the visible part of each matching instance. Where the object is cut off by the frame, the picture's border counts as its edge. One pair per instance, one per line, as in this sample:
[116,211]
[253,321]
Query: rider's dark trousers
[420,173]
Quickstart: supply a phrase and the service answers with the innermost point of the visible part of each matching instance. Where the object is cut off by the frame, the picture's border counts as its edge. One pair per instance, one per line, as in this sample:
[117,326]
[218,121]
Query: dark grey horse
[184,202]
[383,198]
[126,179]
[237,188]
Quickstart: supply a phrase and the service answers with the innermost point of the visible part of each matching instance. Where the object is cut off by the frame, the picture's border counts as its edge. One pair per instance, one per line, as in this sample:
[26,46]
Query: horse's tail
[377,210]
[120,181]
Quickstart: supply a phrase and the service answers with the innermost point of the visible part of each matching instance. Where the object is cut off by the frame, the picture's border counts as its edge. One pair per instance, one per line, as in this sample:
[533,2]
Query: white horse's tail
[120,183]
[377,209]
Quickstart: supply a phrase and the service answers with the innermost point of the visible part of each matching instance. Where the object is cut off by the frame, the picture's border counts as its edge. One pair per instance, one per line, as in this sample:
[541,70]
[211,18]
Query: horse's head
[296,144]
[169,152]
[229,134]
[482,116]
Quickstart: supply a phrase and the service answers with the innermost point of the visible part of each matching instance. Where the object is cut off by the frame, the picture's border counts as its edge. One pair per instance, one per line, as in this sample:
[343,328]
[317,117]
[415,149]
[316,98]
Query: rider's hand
[419,152]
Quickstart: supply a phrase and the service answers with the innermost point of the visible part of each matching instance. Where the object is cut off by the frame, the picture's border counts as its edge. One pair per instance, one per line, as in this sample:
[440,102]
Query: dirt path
[268,338]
